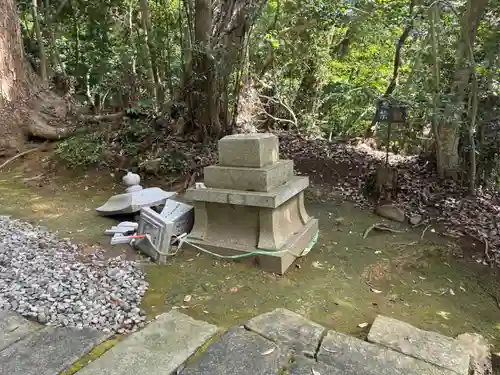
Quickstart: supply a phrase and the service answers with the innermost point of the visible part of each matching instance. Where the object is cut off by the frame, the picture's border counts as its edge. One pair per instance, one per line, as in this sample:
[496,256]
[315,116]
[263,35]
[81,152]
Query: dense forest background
[118,76]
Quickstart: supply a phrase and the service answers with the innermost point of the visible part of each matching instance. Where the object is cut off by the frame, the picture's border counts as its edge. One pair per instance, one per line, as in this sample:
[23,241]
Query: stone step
[13,328]
[47,351]
[425,345]
[289,329]
[159,349]
[353,356]
[239,352]
[306,366]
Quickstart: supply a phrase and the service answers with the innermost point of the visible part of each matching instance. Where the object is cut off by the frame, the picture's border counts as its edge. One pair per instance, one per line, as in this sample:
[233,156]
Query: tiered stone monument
[253,205]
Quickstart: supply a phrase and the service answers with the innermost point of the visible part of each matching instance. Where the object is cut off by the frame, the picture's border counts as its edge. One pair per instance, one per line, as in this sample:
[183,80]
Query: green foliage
[81,151]
[327,61]
[173,162]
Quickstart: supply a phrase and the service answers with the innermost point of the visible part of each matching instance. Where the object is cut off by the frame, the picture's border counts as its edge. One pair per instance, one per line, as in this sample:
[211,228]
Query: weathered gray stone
[269,225]
[286,327]
[158,349]
[239,352]
[352,355]
[13,327]
[479,350]
[48,351]
[305,366]
[391,212]
[248,150]
[428,346]
[248,179]
[270,199]
[132,202]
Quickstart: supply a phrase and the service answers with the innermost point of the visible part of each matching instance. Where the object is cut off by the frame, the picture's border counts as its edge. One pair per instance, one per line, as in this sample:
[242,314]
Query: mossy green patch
[333,285]
[204,347]
[92,356]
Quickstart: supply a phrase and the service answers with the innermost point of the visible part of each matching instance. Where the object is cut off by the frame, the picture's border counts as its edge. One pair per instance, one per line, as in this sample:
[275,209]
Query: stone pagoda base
[254,207]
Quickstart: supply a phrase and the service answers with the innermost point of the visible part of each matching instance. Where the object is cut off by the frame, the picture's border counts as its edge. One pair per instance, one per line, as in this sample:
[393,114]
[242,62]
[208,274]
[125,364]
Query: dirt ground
[345,280]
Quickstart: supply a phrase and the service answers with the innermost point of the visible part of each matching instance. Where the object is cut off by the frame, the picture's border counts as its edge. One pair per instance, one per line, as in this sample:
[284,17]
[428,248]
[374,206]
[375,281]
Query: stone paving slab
[159,349]
[425,345]
[48,351]
[305,366]
[286,327]
[352,355]
[13,327]
[239,352]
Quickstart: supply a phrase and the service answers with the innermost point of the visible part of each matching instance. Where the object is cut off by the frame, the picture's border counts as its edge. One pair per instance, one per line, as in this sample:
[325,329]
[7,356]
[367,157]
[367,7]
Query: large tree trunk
[307,95]
[454,114]
[25,108]
[220,33]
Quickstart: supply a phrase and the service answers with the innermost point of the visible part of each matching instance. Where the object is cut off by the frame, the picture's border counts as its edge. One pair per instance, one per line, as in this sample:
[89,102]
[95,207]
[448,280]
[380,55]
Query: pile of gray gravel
[49,280]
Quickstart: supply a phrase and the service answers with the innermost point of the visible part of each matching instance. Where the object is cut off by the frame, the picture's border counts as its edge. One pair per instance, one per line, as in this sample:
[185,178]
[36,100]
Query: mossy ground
[426,282]
[95,353]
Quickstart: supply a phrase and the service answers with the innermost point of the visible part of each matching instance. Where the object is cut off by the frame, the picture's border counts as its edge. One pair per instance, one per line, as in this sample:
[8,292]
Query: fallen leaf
[445,315]
[329,350]
[188,298]
[376,291]
[314,372]
[268,351]
[317,264]
[363,325]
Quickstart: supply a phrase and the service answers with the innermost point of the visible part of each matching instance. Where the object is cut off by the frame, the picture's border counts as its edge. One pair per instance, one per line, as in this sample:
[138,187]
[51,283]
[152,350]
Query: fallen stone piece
[48,351]
[391,212]
[239,352]
[428,346]
[479,350]
[13,327]
[123,228]
[353,356]
[119,238]
[288,328]
[162,229]
[132,202]
[159,349]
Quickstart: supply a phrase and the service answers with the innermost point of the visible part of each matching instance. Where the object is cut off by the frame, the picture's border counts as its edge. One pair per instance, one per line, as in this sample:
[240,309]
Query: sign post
[390,113]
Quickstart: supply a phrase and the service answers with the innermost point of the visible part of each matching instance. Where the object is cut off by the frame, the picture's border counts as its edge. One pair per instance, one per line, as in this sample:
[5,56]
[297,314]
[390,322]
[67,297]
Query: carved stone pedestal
[255,209]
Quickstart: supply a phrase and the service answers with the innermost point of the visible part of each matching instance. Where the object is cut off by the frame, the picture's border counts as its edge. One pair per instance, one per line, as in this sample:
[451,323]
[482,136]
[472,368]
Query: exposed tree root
[381,227]
[18,156]
[100,118]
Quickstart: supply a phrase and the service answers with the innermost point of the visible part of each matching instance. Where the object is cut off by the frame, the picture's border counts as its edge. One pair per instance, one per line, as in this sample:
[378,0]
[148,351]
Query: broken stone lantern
[134,198]
[253,205]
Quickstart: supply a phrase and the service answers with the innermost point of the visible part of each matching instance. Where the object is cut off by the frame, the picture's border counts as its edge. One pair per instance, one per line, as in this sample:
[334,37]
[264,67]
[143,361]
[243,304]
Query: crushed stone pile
[50,280]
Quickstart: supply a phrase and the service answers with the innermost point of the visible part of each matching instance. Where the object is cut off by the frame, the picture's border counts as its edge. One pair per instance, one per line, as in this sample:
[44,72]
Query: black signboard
[390,112]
